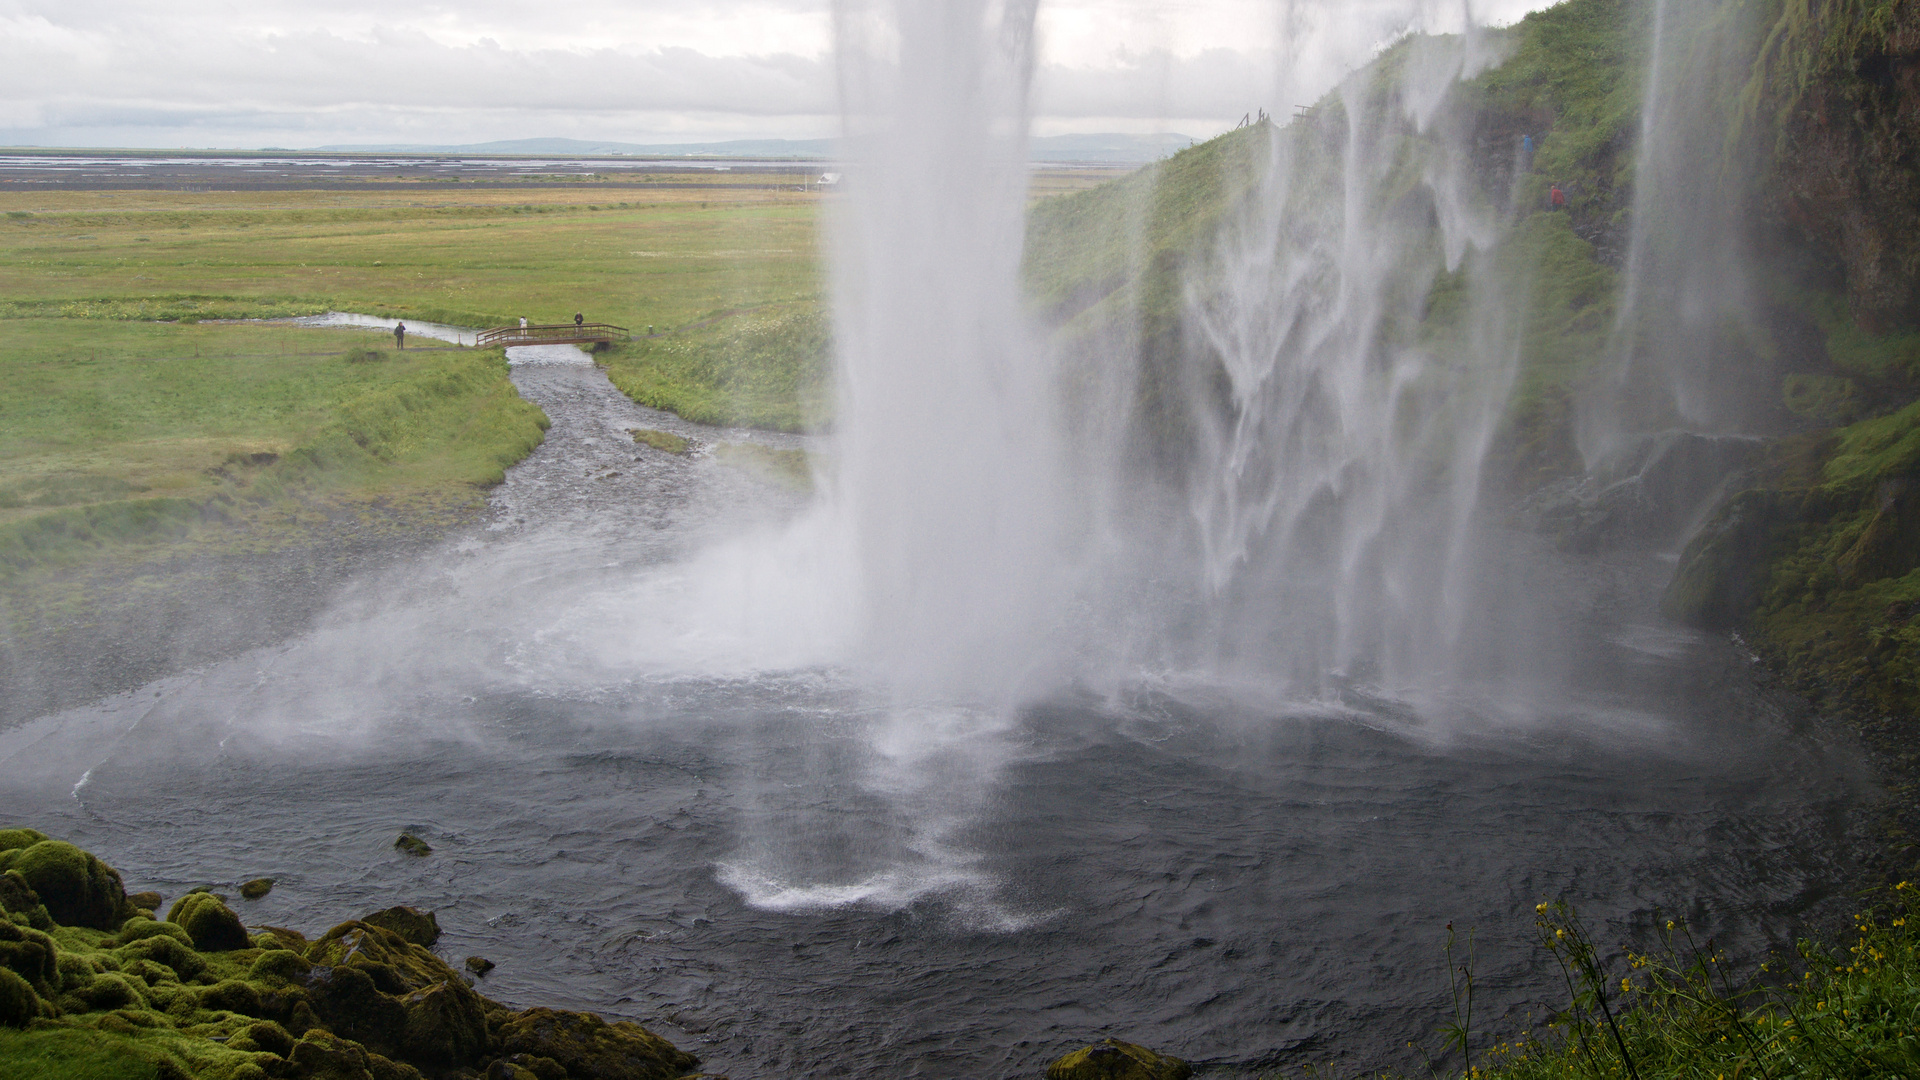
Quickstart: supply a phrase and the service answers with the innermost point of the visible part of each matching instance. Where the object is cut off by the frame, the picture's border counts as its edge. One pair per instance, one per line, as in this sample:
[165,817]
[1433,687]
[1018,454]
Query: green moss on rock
[412,845]
[542,1068]
[18,898]
[411,924]
[12,839]
[180,962]
[255,889]
[194,998]
[30,954]
[19,1005]
[209,922]
[1111,1059]
[265,1036]
[140,928]
[232,995]
[76,888]
[105,993]
[278,967]
[590,1048]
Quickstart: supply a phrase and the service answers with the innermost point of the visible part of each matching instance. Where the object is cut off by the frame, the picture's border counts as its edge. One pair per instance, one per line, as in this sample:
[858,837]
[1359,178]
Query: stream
[752,860]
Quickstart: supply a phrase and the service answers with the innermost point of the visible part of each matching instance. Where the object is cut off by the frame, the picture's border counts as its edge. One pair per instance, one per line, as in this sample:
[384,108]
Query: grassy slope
[136,432]
[768,367]
[1109,266]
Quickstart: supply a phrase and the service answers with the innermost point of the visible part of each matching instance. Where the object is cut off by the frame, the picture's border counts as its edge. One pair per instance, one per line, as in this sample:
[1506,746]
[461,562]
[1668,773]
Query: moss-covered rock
[590,1048]
[182,964]
[542,1068]
[30,954]
[209,922]
[366,1001]
[14,839]
[146,901]
[105,993]
[321,1055]
[255,889]
[395,996]
[18,898]
[446,1024]
[1724,569]
[276,967]
[1111,1059]
[412,924]
[140,928]
[232,995]
[412,845]
[479,965]
[19,1005]
[265,1036]
[76,888]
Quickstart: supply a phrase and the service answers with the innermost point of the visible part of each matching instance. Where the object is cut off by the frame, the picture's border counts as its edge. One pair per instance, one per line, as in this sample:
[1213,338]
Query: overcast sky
[254,73]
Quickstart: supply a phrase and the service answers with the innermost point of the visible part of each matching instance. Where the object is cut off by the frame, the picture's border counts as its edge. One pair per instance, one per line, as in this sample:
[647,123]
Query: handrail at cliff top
[551,334]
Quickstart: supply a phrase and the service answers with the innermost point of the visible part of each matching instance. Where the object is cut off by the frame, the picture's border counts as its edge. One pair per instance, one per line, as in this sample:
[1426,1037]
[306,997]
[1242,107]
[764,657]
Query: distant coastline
[1106,148]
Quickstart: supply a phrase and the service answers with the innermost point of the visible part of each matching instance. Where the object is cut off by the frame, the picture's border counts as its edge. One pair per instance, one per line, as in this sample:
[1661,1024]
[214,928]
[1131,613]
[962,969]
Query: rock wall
[1846,169]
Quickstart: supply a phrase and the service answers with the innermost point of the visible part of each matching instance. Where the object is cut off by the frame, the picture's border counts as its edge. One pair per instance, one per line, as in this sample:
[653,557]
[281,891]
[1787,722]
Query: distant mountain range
[1105,148]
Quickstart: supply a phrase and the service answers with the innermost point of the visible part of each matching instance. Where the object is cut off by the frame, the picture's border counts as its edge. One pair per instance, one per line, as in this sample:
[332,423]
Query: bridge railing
[551,334]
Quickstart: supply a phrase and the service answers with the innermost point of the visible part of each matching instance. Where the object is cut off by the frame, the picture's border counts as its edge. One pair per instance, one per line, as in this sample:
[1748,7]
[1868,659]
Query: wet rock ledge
[93,983]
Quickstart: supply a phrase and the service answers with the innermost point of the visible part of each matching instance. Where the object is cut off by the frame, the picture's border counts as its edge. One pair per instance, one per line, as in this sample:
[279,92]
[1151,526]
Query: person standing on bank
[399,335]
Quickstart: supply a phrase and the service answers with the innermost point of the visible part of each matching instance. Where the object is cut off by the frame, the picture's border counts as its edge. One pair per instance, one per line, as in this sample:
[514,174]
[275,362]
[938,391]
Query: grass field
[135,432]
[112,416]
[477,258]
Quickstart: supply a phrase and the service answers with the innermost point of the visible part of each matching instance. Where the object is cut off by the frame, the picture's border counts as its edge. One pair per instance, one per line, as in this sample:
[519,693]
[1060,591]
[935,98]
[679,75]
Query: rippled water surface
[793,877]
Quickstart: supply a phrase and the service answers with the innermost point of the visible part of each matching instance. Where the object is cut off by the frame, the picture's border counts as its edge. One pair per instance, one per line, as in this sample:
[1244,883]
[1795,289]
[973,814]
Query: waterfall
[1337,482]
[947,482]
[1689,350]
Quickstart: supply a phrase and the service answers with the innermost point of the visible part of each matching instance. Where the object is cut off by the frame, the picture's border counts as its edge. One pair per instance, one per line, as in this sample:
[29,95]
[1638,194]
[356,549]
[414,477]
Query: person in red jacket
[1558,198]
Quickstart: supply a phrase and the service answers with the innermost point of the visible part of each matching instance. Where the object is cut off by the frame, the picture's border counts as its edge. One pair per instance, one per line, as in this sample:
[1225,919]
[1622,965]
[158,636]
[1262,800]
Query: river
[755,864]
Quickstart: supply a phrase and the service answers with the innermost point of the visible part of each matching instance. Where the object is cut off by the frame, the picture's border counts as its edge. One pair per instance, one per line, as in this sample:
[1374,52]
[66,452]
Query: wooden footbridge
[552,334]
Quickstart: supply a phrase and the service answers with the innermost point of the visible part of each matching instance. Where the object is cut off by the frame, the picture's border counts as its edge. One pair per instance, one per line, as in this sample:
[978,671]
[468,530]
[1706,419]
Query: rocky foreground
[93,984]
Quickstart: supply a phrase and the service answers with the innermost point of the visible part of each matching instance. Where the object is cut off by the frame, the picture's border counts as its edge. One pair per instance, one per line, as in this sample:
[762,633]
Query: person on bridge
[399,335]
[523,322]
[578,318]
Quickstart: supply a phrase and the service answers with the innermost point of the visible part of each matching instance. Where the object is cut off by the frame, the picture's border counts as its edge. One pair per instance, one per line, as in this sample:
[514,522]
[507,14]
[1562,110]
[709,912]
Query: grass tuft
[665,441]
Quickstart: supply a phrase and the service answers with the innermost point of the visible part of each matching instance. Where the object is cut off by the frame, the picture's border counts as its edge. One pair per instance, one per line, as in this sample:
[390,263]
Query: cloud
[228,73]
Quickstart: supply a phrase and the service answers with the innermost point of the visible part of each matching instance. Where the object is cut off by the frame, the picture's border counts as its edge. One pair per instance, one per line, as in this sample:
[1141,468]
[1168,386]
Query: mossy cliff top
[93,985]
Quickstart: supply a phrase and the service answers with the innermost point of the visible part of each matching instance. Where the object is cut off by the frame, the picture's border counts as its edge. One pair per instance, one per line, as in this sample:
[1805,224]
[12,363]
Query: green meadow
[630,257]
[135,418]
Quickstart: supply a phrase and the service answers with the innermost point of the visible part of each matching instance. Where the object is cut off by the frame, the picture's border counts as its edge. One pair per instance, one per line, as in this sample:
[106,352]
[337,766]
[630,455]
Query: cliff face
[1803,140]
[1848,168]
